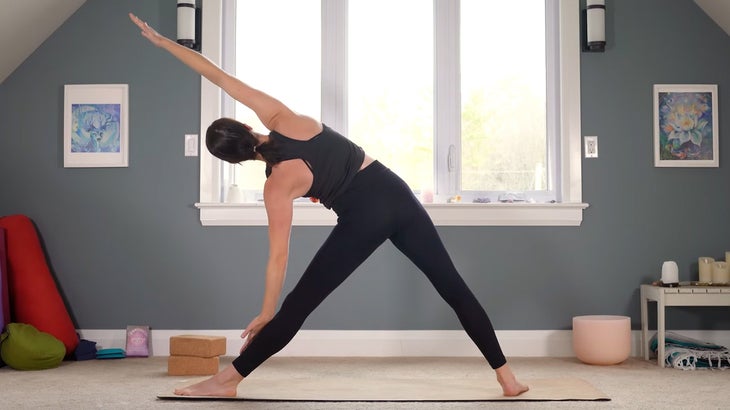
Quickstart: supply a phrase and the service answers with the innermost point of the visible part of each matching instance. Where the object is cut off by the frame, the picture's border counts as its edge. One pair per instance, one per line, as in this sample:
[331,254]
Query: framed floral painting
[686,125]
[95,125]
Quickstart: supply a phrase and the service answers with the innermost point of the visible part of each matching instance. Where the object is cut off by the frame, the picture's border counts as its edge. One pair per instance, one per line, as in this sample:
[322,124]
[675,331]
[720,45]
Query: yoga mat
[343,389]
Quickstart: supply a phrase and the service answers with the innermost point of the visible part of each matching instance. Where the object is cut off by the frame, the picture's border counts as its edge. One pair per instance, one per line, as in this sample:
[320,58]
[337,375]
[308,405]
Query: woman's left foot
[510,386]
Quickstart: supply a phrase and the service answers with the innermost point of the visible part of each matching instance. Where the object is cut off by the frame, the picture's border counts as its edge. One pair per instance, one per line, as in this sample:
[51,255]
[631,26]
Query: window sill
[464,214]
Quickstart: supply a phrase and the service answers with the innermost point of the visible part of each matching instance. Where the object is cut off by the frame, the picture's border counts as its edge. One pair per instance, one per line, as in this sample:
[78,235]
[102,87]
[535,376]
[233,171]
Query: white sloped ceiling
[25,25]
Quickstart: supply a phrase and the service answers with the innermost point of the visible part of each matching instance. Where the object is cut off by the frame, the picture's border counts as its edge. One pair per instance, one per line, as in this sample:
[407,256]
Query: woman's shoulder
[299,127]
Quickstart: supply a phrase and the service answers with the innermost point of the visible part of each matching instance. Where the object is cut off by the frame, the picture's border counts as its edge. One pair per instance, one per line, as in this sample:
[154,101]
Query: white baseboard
[389,343]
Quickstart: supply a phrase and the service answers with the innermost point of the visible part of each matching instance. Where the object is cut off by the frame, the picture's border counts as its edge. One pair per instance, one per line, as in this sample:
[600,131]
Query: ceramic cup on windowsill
[670,274]
[234,195]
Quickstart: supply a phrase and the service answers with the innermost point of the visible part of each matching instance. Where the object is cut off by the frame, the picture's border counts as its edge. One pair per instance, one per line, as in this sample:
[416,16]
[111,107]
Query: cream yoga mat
[343,389]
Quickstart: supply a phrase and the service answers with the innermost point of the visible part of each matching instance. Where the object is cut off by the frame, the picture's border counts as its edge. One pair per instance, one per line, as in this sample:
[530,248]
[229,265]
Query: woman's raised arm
[269,110]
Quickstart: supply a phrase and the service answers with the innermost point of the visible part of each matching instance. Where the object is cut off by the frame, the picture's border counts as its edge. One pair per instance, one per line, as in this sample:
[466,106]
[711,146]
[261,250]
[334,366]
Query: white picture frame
[686,125]
[95,125]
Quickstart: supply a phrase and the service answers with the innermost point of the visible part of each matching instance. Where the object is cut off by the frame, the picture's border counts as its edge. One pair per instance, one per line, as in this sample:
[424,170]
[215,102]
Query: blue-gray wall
[126,245]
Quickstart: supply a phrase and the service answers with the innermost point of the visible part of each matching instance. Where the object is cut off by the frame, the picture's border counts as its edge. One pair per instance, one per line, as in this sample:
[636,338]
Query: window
[504,135]
[390,77]
[284,65]
[430,96]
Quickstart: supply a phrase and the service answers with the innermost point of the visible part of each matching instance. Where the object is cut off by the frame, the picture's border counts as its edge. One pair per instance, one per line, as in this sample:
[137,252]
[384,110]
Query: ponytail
[268,151]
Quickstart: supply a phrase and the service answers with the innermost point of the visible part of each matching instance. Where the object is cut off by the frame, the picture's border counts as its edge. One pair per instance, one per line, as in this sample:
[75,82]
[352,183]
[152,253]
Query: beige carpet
[134,383]
[351,389]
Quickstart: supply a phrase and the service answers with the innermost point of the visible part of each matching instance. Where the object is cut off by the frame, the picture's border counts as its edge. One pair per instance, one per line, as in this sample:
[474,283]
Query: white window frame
[568,212]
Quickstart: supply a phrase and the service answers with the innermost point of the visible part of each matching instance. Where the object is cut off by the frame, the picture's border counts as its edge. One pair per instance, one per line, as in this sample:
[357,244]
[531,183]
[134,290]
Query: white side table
[684,295]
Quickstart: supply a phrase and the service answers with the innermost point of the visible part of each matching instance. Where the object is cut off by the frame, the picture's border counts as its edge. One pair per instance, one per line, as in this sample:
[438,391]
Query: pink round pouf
[602,339]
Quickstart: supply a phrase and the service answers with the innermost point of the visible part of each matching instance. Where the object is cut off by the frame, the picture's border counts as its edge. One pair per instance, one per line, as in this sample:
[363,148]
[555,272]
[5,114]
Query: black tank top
[333,159]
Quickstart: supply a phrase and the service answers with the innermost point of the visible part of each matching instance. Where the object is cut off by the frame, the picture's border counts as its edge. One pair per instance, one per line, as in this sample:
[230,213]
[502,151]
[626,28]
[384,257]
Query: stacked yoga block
[195,355]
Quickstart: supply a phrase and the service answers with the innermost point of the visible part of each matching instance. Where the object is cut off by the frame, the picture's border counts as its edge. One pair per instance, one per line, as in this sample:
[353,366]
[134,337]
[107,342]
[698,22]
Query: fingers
[136,20]
[249,333]
[249,337]
[147,32]
[141,24]
[249,329]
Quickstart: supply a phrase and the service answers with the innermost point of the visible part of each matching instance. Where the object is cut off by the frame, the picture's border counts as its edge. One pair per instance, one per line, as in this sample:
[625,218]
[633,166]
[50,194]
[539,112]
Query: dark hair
[232,141]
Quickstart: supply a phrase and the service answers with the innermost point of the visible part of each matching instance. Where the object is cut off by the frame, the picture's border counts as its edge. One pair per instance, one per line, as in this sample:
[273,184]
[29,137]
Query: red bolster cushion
[4,292]
[34,297]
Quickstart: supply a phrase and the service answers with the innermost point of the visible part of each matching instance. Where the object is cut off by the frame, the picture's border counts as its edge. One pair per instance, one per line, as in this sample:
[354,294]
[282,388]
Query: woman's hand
[148,32]
[253,329]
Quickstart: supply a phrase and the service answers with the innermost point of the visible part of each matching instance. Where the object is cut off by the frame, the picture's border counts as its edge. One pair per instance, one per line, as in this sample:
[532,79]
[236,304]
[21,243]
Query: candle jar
[670,274]
[720,273]
[705,263]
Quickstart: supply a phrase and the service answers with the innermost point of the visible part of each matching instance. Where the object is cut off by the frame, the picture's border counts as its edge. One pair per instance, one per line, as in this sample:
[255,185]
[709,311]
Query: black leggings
[377,206]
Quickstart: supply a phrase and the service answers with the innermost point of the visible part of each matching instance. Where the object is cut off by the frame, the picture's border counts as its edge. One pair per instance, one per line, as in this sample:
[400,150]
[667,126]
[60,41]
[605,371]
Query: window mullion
[228,104]
[570,125]
[334,64]
[552,54]
[447,98]
[211,170]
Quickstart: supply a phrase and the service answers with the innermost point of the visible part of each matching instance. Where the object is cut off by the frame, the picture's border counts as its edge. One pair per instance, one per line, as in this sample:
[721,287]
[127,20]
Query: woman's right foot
[223,384]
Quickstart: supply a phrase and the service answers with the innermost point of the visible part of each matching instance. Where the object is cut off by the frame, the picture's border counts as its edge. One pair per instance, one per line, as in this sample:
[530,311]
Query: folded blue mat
[113,353]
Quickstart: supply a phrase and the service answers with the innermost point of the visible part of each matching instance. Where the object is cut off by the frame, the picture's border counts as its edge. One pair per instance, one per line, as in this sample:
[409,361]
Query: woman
[306,158]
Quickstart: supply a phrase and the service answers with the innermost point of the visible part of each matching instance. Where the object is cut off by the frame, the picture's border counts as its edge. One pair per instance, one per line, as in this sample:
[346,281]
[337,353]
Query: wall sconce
[595,26]
[188,24]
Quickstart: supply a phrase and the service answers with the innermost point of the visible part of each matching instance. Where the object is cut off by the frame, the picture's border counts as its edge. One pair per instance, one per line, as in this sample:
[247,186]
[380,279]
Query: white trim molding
[462,214]
[394,343]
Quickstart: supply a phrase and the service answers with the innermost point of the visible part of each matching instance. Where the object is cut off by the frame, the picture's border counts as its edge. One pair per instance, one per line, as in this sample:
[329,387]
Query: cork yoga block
[197,346]
[192,366]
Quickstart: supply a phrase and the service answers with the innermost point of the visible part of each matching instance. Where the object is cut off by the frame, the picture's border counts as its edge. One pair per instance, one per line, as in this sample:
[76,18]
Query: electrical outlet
[591,146]
[191,145]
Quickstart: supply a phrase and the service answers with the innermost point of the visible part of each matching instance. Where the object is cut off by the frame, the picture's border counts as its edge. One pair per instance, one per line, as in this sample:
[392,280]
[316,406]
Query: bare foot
[223,384]
[510,386]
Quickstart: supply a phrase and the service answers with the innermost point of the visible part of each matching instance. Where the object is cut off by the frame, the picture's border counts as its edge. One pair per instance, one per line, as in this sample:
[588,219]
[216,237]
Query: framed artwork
[95,132]
[686,125]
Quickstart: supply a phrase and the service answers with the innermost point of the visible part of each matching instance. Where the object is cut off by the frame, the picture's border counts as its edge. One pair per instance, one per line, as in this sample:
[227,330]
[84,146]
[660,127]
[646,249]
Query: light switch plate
[191,145]
[591,146]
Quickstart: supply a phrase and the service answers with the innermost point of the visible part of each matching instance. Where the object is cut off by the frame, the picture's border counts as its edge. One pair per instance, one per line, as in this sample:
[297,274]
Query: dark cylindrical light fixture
[596,25]
[186,23]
